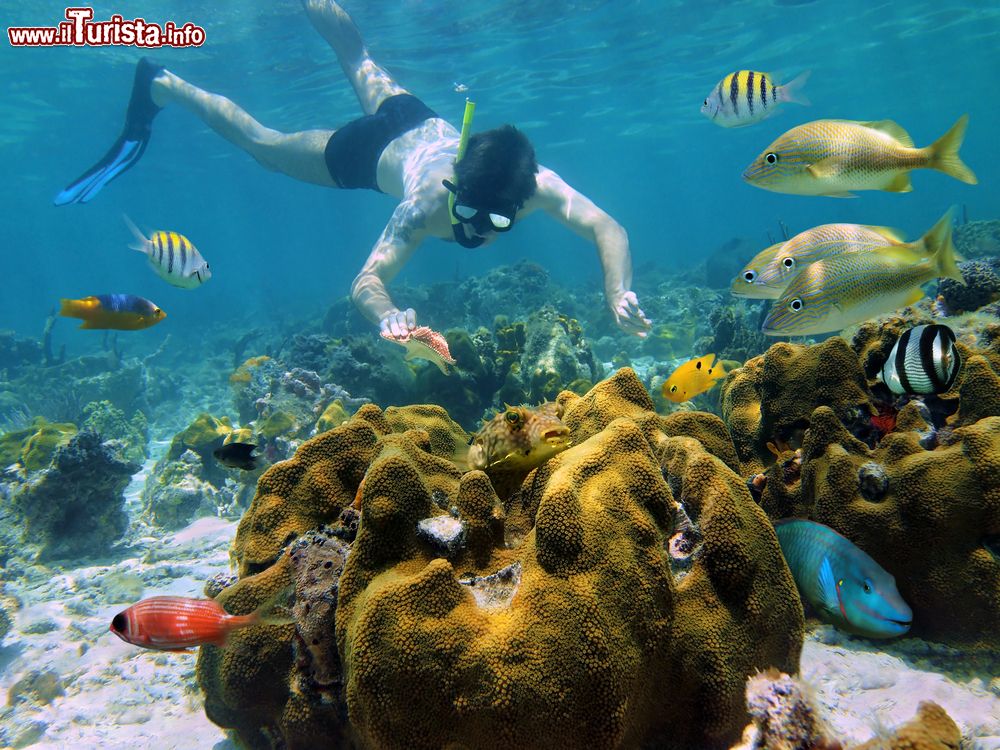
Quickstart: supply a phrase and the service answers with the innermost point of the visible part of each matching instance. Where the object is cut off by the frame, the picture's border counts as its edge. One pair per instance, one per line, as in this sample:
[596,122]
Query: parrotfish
[173,256]
[424,343]
[832,294]
[833,157]
[748,96]
[177,623]
[841,581]
[122,312]
[692,378]
[771,275]
[519,439]
[923,360]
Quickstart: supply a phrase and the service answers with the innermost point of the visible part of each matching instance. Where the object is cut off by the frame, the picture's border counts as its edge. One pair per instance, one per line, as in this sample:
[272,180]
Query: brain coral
[582,635]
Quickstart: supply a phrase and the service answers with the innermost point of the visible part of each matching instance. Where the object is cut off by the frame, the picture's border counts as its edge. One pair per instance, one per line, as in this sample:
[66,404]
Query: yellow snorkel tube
[463,141]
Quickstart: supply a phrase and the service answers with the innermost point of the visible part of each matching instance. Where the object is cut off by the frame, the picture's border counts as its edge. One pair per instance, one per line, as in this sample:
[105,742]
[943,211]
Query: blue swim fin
[131,144]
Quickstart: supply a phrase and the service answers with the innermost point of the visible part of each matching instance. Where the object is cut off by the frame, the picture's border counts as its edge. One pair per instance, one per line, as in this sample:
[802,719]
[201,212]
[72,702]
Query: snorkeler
[400,147]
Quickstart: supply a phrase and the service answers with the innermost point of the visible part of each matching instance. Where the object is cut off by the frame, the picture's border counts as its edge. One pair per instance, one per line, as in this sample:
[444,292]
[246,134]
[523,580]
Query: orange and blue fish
[692,378]
[121,312]
[178,623]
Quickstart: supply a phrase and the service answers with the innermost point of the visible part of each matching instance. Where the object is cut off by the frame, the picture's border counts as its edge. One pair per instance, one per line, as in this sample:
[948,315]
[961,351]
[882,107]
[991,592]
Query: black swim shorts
[352,153]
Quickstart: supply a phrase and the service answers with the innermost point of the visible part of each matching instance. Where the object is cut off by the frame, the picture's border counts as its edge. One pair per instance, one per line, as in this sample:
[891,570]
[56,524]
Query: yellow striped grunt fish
[771,275]
[842,290]
[174,258]
[744,285]
[748,96]
[833,157]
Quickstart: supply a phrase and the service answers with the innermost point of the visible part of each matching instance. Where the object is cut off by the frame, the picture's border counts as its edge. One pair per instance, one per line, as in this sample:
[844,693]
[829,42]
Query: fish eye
[119,622]
[788,262]
[867,587]
[673,389]
[749,275]
[513,417]
[771,158]
[795,305]
[705,103]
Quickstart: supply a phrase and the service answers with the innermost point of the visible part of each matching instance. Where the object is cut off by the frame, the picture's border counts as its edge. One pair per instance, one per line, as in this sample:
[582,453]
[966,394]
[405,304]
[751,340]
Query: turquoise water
[608,92]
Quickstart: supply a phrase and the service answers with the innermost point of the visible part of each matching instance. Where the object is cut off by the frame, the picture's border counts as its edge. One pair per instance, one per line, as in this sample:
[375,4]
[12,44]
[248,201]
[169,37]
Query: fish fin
[792,91]
[891,128]
[944,153]
[900,184]
[827,586]
[140,238]
[826,168]
[939,246]
[838,194]
[889,233]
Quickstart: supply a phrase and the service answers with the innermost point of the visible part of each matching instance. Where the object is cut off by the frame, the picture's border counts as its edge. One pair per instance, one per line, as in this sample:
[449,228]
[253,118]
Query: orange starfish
[424,343]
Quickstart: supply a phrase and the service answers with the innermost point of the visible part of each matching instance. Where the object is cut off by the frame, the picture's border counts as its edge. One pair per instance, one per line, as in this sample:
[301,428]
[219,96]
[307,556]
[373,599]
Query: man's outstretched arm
[580,214]
[401,236]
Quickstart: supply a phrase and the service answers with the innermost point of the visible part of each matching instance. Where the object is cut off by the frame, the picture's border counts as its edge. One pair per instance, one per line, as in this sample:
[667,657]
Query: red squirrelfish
[177,623]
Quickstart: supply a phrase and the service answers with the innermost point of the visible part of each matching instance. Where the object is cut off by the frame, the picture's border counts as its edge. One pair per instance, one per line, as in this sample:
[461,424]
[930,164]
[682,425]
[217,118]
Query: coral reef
[977,239]
[74,508]
[103,417]
[927,481]
[930,729]
[33,446]
[981,287]
[556,354]
[612,629]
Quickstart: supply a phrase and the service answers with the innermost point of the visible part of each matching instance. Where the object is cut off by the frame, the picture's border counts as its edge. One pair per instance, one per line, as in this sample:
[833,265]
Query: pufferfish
[692,378]
[519,439]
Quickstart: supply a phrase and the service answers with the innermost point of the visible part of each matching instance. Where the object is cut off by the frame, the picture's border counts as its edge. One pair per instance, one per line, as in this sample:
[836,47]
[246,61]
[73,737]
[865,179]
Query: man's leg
[372,84]
[298,155]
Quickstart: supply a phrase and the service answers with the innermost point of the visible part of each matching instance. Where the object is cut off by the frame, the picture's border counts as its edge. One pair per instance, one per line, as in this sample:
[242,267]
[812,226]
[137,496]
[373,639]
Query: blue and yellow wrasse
[693,378]
[842,290]
[174,258]
[833,157]
[766,277]
[122,312]
[748,96]
[845,586]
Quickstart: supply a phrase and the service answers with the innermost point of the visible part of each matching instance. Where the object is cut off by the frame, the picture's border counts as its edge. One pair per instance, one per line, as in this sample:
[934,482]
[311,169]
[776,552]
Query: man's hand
[628,316]
[398,324]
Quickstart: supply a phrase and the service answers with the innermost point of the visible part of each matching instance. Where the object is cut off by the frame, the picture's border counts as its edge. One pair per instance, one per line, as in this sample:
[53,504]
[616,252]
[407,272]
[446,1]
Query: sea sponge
[931,729]
[579,636]
[38,448]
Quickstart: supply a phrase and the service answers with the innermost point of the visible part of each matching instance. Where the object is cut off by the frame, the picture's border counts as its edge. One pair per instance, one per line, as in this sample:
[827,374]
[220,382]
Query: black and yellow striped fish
[748,96]
[174,258]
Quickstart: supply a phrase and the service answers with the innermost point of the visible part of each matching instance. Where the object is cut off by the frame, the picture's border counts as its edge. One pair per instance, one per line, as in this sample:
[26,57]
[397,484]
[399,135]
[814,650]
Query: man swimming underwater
[400,147]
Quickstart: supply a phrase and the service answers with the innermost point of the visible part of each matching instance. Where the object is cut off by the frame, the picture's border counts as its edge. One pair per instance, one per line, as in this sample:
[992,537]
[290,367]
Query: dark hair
[498,168]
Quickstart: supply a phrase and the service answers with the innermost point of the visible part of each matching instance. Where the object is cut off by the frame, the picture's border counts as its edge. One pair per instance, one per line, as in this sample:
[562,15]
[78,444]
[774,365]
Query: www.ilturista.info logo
[80,30]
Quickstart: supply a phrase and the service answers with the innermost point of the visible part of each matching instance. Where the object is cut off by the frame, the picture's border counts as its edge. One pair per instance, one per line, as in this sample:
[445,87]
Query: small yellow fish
[833,157]
[842,290]
[692,378]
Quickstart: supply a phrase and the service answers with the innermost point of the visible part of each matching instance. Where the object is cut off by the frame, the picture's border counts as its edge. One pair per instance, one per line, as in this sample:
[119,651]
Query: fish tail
[272,611]
[792,91]
[75,308]
[140,238]
[938,245]
[944,153]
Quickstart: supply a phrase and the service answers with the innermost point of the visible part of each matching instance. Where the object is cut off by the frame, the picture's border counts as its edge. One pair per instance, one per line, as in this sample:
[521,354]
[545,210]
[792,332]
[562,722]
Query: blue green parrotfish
[842,583]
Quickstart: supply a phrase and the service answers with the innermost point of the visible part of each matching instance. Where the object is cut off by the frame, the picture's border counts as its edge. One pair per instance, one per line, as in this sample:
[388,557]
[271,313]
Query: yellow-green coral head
[519,437]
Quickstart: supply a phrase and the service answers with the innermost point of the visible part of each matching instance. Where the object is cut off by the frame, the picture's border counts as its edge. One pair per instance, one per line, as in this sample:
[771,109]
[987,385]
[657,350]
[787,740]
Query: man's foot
[125,152]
